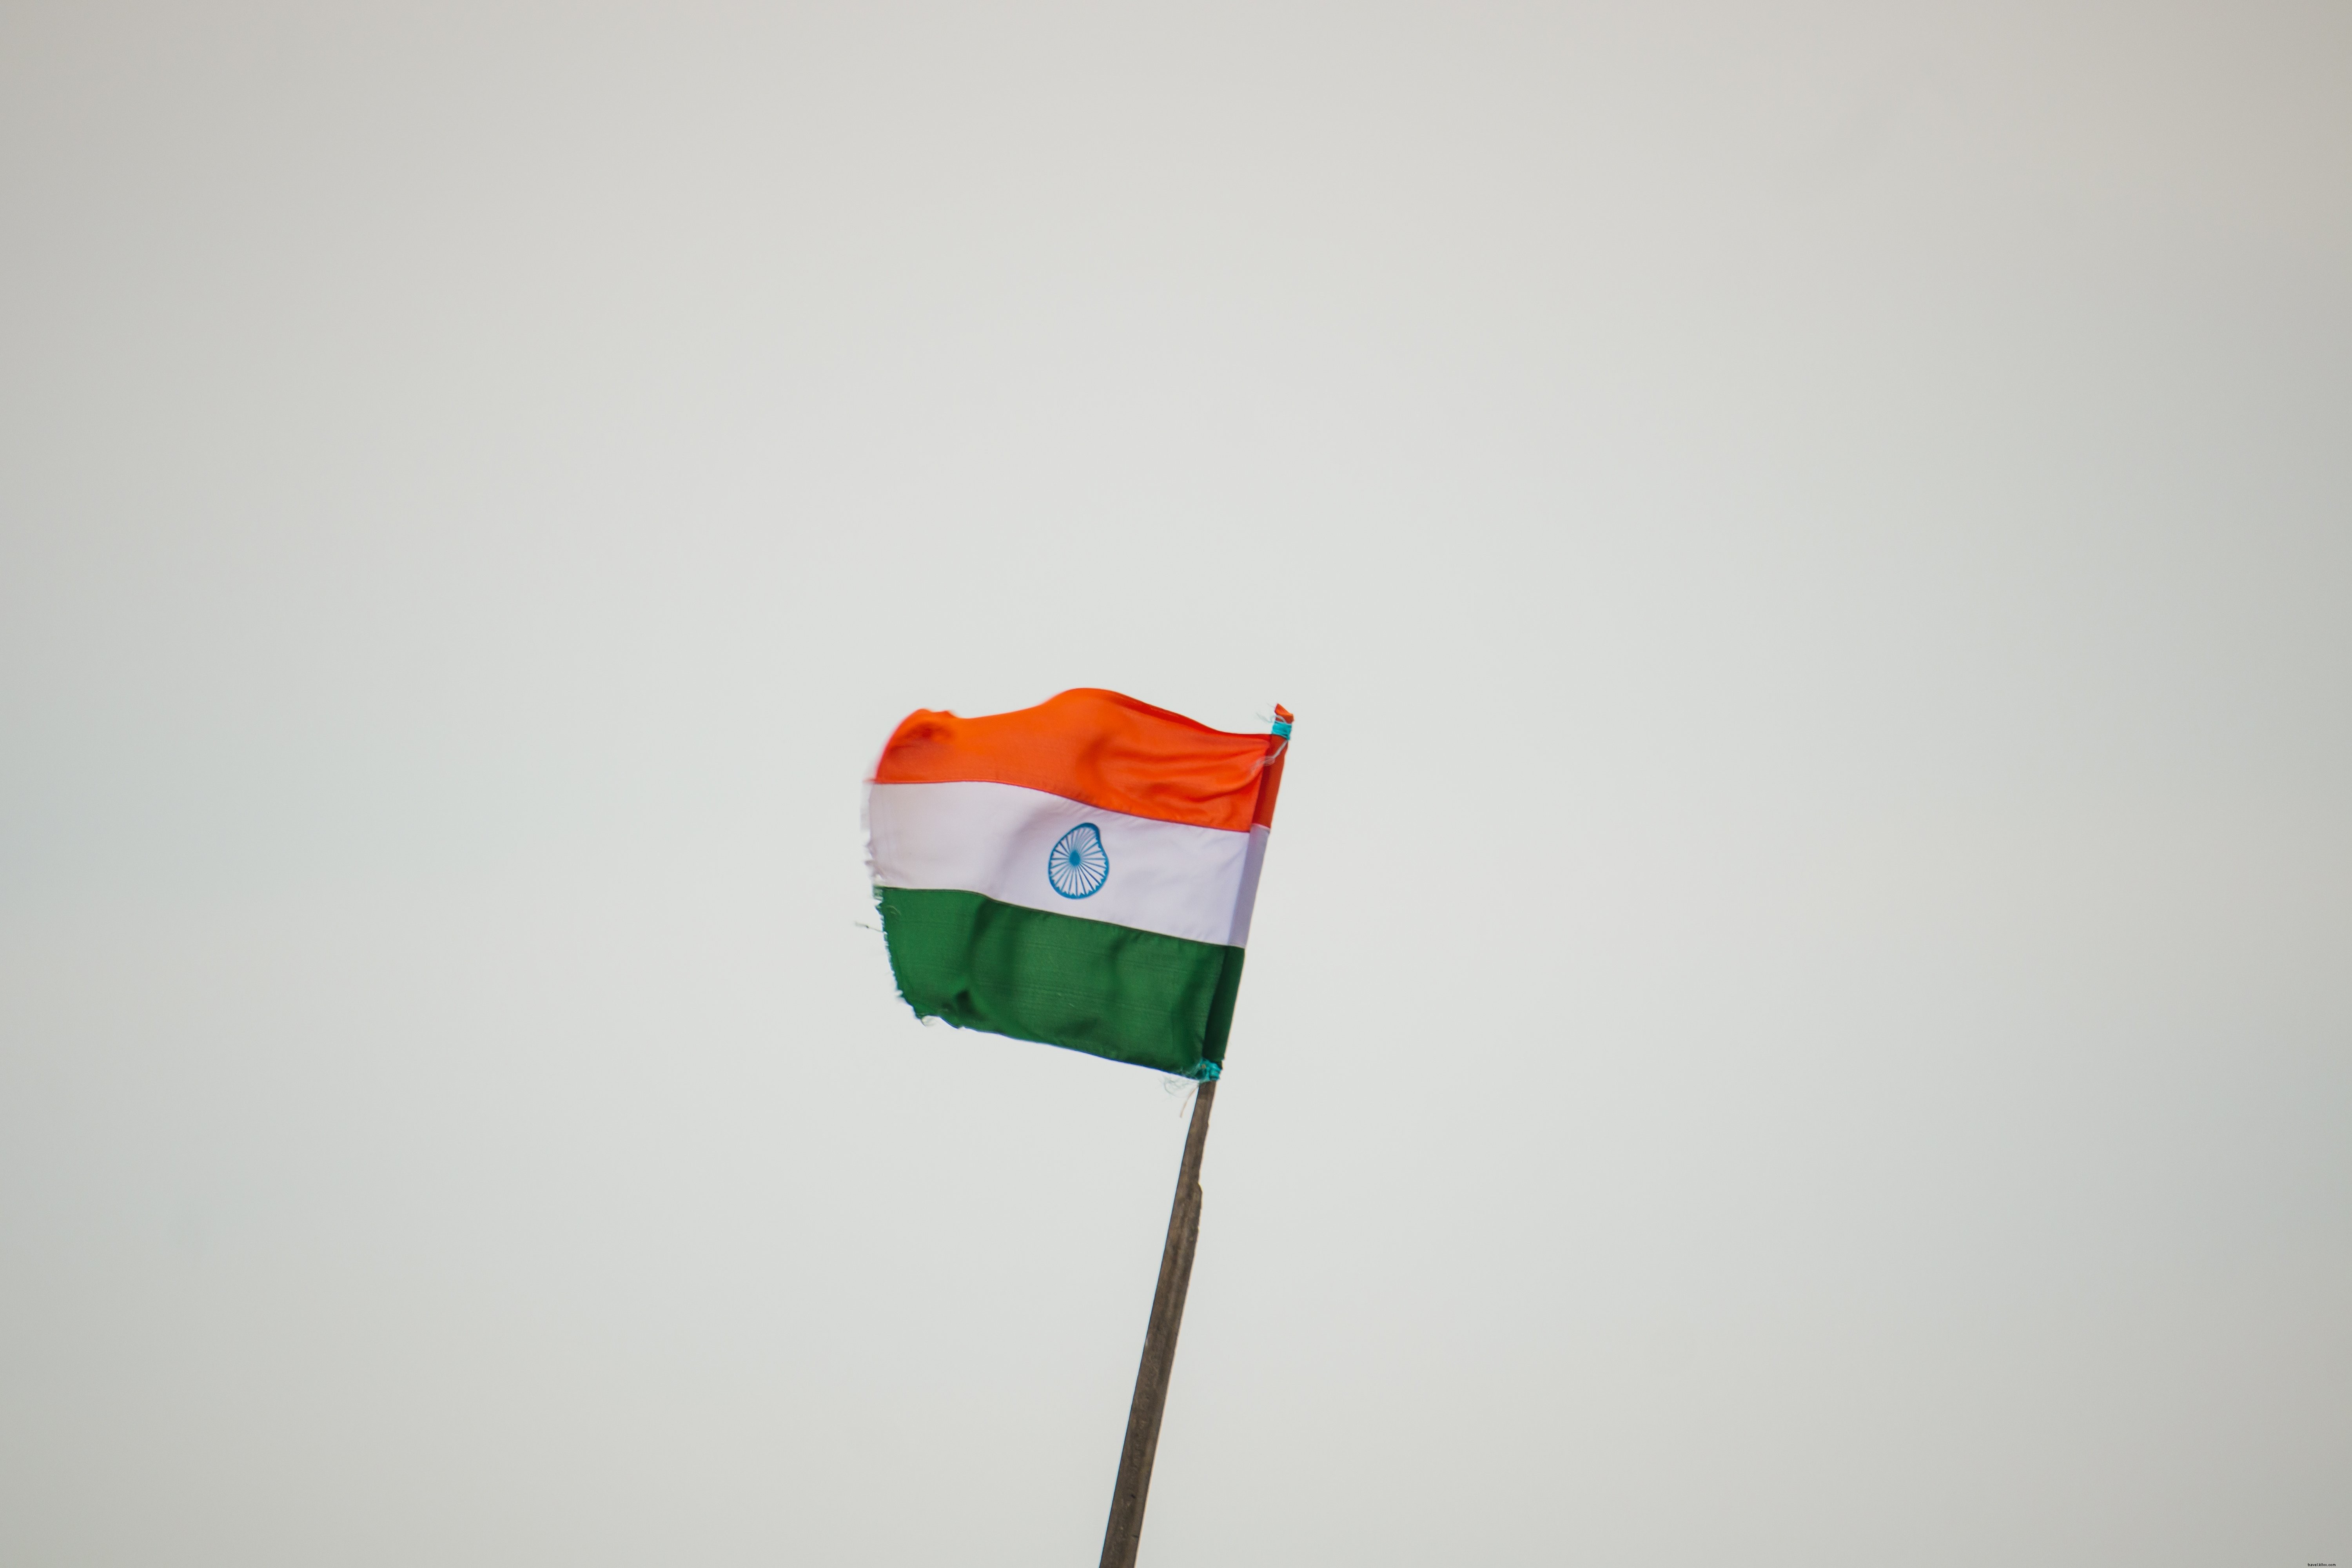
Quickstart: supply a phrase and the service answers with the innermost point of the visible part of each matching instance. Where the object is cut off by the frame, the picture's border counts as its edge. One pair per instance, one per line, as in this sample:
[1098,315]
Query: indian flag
[1080,872]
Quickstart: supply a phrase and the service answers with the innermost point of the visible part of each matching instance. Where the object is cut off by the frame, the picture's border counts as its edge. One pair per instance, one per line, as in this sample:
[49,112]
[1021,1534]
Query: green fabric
[1107,990]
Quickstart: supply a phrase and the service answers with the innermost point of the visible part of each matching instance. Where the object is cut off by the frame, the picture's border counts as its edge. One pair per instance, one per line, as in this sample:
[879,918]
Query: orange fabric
[1100,748]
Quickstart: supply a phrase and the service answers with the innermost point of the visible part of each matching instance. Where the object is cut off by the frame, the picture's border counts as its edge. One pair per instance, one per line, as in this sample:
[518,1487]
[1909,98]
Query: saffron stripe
[1097,747]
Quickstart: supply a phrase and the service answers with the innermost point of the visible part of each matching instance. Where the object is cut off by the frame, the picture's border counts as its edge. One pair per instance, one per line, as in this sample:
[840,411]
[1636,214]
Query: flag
[1080,873]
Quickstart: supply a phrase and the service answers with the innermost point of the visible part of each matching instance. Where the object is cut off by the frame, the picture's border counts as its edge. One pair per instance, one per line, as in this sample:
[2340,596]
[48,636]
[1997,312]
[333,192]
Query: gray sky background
[1799,1010]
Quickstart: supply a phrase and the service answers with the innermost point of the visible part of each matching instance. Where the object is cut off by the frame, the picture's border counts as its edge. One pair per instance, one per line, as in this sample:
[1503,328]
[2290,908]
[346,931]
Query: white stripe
[1166,877]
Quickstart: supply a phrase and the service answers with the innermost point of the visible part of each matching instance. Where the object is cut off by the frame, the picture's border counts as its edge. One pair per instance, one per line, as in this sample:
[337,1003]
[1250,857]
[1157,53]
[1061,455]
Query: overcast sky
[1800,1011]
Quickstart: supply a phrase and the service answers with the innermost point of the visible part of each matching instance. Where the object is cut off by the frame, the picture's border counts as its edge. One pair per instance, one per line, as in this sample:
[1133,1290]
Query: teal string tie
[1208,1072]
[1281,726]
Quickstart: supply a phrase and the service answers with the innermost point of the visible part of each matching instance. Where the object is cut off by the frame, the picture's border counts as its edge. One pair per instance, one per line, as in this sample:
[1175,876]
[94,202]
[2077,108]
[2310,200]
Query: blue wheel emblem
[1077,865]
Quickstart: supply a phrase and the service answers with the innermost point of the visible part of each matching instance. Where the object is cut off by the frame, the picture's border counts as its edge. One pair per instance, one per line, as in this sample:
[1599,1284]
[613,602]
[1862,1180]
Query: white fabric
[1166,877]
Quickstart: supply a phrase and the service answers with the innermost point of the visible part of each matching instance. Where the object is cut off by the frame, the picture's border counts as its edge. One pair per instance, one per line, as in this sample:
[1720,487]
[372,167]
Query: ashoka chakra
[1077,865]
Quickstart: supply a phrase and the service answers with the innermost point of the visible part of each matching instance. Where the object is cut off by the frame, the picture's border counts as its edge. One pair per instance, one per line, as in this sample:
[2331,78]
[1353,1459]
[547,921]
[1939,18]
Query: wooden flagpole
[1125,1533]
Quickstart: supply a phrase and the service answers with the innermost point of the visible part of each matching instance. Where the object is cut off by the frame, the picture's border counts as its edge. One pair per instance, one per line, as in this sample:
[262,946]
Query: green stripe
[1108,990]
